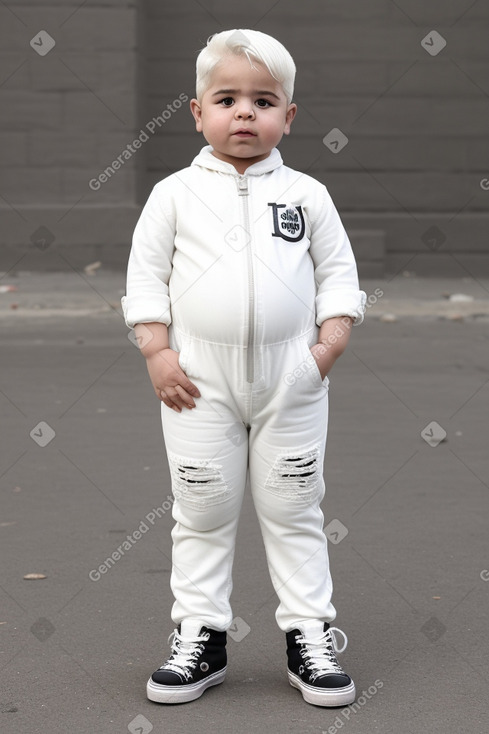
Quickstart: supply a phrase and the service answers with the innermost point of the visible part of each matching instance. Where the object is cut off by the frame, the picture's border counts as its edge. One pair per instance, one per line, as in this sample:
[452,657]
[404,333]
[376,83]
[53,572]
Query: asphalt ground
[83,468]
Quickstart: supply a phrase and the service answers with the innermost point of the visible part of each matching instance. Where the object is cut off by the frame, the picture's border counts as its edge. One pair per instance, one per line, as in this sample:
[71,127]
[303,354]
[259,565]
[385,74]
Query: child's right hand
[170,382]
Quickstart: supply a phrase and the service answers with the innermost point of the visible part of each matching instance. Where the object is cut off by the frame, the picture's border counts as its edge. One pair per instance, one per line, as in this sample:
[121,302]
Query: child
[242,289]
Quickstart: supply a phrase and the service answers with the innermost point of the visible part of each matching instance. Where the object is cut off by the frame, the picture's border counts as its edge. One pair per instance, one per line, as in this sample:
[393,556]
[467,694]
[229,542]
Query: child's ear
[196,111]
[289,116]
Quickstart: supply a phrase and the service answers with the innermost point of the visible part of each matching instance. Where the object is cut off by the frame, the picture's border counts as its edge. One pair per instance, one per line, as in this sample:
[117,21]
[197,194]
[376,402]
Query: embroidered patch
[288,222]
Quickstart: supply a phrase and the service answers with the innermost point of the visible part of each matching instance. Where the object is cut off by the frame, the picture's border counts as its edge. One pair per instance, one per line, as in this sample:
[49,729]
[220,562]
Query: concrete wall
[65,116]
[408,182]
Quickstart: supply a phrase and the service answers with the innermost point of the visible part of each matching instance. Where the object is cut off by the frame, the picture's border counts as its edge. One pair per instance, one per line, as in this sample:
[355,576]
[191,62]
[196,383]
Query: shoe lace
[185,653]
[319,653]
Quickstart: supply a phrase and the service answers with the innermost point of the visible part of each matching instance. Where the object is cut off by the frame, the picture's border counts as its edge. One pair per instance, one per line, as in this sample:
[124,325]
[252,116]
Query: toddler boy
[242,289]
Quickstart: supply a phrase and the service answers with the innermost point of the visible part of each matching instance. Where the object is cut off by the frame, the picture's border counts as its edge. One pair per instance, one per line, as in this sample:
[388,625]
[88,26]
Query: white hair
[254,45]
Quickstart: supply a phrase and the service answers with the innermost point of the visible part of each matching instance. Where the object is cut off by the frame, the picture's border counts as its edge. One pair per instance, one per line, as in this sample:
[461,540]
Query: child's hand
[324,357]
[333,338]
[170,382]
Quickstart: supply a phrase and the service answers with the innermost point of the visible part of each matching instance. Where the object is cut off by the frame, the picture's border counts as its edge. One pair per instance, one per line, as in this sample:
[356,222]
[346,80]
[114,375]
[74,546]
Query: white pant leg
[287,444]
[207,450]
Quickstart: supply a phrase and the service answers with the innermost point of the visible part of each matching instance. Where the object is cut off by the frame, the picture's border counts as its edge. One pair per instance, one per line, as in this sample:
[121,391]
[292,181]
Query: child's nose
[244,110]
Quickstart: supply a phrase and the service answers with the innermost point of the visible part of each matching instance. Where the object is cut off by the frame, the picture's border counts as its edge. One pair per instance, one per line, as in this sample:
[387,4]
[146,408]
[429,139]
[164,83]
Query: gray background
[416,123]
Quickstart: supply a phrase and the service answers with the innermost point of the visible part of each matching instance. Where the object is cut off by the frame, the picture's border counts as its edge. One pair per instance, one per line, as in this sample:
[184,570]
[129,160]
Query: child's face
[243,113]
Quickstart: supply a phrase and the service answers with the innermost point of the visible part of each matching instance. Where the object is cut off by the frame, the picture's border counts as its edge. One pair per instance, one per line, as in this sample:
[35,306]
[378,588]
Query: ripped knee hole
[296,476]
[197,483]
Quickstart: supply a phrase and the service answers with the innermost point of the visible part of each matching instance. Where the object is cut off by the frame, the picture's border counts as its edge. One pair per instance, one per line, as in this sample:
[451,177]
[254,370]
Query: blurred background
[393,109]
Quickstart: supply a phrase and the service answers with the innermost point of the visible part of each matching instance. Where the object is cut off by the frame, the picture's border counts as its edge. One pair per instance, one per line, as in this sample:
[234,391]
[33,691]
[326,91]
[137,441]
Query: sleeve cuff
[333,304]
[145,311]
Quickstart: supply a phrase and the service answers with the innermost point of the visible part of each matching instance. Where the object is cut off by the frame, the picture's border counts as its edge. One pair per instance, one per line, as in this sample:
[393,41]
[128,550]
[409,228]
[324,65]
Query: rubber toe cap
[166,678]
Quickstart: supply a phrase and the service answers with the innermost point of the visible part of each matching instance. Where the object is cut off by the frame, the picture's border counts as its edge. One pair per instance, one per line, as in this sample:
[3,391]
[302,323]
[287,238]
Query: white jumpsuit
[243,269]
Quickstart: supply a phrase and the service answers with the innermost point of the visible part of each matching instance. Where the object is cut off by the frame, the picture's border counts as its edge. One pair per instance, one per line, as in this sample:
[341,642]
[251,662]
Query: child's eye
[263,103]
[227,101]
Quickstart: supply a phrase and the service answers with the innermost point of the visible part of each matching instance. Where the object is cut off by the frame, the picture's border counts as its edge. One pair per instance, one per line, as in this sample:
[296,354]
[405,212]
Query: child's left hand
[324,358]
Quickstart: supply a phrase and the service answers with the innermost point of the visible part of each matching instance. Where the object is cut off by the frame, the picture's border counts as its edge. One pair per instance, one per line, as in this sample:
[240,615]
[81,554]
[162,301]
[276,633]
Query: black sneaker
[198,661]
[313,667]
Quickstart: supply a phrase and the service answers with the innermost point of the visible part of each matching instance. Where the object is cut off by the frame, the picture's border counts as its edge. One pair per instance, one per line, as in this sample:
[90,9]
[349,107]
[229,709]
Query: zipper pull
[243,186]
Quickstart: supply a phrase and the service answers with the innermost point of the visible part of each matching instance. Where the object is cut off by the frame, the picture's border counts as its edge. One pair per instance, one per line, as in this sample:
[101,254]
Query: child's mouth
[244,134]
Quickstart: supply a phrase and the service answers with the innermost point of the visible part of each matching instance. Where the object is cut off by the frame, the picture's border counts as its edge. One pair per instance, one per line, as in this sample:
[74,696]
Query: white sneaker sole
[182,694]
[323,696]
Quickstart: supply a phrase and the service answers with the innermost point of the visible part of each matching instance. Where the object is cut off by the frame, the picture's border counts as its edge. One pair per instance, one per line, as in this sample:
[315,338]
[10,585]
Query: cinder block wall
[68,111]
[410,183]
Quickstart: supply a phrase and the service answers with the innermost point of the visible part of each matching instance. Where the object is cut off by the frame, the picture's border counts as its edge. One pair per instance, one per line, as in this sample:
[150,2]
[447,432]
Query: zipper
[250,368]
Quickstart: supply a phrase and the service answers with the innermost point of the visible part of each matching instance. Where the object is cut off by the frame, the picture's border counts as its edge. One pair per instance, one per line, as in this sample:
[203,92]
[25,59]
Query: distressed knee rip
[197,483]
[295,477]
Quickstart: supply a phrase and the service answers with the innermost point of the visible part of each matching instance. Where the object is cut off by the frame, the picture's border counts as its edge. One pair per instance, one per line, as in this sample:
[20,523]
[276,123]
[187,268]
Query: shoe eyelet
[204,667]
[301,669]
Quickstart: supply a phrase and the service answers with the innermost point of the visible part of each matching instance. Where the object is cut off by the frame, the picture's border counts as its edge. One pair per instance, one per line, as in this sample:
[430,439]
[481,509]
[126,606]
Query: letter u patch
[288,222]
